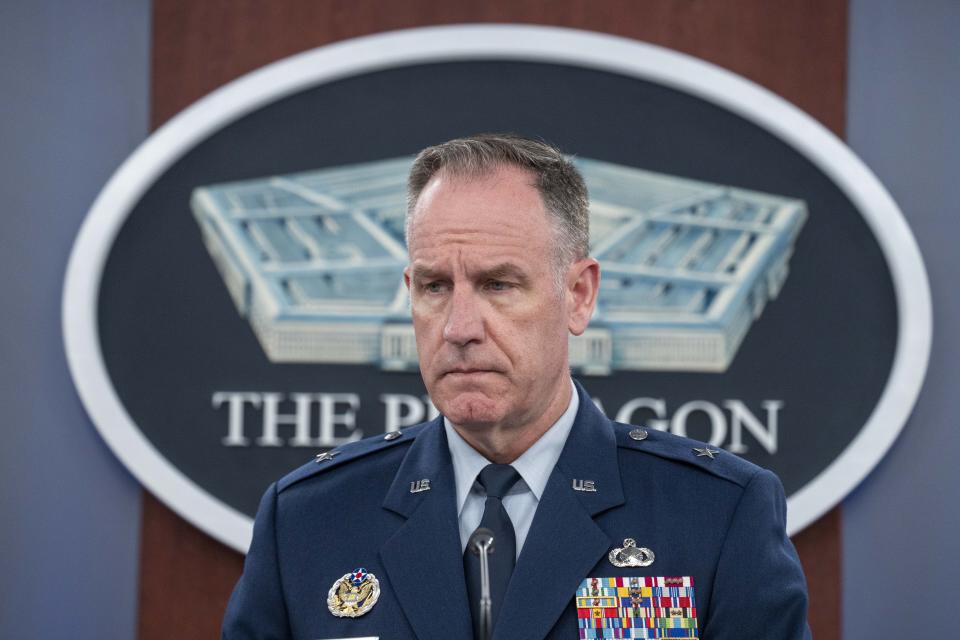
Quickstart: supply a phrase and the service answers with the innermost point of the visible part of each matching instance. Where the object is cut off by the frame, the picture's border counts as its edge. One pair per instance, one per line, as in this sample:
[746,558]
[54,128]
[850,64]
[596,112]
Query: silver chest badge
[630,555]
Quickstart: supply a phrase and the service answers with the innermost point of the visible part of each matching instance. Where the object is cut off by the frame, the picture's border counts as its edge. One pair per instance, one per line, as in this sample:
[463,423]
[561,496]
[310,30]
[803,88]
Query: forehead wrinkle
[506,235]
[478,267]
[440,248]
[476,224]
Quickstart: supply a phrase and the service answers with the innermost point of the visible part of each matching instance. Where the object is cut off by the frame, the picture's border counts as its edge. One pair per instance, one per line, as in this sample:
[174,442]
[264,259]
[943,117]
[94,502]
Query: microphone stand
[481,544]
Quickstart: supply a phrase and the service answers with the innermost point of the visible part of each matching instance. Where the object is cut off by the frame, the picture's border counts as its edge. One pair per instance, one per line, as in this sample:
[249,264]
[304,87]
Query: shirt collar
[534,466]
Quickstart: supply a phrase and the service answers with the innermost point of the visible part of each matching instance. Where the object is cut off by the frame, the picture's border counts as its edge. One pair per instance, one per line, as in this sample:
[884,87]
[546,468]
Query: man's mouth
[467,371]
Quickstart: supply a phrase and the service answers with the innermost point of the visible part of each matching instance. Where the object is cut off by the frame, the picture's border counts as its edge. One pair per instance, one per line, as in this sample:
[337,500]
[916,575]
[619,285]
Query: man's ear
[583,281]
[406,276]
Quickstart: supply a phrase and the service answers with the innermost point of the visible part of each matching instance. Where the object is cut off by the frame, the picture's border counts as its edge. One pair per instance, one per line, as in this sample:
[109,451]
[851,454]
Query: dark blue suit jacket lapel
[423,559]
[564,542]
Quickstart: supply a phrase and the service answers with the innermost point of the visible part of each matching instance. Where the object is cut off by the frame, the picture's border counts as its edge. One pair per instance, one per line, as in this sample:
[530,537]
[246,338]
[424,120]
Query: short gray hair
[557,180]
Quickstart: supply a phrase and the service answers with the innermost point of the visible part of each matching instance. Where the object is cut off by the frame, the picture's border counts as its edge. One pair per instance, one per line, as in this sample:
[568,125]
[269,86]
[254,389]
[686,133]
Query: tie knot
[496,479]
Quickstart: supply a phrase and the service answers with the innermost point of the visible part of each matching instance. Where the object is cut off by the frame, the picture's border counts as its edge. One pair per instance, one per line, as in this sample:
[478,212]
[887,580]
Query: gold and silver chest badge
[630,555]
[354,594]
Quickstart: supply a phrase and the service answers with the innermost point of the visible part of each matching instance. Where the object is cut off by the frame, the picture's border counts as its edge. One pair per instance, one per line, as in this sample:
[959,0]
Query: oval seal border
[487,42]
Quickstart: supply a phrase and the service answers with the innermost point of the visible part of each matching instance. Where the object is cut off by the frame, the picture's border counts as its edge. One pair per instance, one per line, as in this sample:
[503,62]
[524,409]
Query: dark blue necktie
[496,480]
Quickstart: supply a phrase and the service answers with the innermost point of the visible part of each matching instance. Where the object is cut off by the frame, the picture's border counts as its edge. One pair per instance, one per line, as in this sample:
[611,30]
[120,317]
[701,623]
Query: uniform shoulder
[694,453]
[345,454]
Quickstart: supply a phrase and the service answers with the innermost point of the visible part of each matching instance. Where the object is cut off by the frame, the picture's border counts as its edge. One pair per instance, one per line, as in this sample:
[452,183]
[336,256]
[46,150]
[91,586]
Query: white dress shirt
[534,466]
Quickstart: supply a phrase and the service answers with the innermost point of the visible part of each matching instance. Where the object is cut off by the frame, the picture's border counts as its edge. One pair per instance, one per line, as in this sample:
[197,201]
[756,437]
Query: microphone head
[482,538]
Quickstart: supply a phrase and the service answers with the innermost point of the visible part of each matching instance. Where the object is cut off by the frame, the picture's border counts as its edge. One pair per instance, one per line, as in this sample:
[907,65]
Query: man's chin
[472,408]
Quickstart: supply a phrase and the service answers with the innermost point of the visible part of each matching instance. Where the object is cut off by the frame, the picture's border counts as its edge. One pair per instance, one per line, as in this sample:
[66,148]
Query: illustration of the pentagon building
[314,261]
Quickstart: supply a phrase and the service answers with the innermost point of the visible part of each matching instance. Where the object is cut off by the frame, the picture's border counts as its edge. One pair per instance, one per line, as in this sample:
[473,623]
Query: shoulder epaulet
[713,460]
[346,453]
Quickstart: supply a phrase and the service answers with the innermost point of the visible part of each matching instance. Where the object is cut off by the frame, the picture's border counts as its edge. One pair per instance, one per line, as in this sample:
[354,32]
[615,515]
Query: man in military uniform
[599,529]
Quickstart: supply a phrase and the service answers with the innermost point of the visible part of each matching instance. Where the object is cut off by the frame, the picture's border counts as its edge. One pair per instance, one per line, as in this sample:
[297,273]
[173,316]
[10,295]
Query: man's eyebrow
[502,271]
[419,273]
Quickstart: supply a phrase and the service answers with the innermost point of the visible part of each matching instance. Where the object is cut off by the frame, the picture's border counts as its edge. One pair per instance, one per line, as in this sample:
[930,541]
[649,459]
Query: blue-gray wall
[902,525]
[74,82]
[73,103]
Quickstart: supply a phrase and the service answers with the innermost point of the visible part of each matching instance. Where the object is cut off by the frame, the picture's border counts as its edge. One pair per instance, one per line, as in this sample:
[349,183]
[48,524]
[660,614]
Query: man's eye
[498,285]
[434,287]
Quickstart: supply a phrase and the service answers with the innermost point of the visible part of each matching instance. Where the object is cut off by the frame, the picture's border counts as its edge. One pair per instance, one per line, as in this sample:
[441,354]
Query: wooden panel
[819,546]
[186,577]
[796,48]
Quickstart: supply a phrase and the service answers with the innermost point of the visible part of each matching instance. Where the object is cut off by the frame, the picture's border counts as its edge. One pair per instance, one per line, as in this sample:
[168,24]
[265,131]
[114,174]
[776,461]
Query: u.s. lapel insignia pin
[630,555]
[354,594]
[419,486]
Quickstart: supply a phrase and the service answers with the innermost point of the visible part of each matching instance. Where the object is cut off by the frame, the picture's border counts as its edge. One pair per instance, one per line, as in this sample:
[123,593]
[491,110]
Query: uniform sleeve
[256,610]
[759,591]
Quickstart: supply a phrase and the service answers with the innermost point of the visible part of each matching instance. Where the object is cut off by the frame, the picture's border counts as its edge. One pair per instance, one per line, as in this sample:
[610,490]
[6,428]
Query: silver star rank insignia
[706,451]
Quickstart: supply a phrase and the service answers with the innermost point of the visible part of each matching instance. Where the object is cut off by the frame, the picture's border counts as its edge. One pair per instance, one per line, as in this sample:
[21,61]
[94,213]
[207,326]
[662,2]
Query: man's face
[491,325]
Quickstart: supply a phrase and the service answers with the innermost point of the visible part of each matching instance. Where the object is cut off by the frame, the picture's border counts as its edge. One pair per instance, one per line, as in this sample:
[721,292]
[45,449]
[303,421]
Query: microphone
[481,544]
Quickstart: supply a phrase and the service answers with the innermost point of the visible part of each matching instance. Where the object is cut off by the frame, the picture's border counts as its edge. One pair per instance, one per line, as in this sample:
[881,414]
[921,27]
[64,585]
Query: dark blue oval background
[171,336]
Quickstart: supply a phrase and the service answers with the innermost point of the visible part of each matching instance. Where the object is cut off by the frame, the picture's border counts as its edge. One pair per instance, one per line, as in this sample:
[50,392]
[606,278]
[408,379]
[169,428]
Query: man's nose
[464,321]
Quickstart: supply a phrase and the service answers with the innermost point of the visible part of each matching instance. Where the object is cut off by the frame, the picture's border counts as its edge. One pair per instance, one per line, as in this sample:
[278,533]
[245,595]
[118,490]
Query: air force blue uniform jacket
[720,521]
